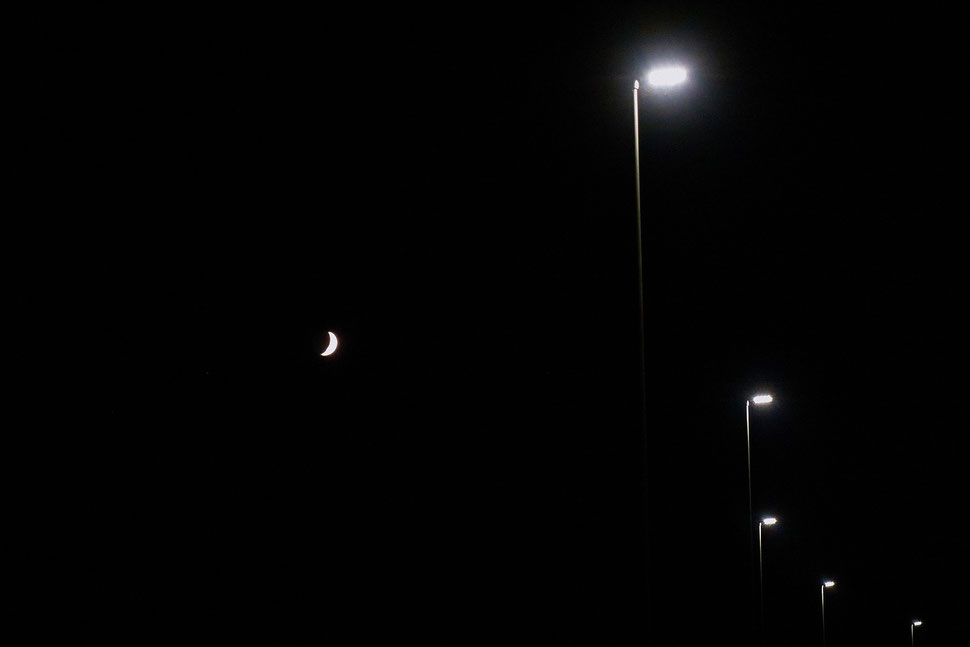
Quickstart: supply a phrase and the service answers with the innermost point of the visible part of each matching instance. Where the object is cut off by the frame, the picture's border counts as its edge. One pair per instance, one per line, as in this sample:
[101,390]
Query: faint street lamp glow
[665,77]
[917,623]
[769,521]
[762,399]
[829,584]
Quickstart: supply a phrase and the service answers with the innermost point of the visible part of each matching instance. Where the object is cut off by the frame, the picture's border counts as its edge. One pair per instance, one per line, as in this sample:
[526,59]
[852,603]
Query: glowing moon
[332,346]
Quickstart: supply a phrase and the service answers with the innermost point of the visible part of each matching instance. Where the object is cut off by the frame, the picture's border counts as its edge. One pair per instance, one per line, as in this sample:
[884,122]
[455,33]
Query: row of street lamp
[767,521]
[667,77]
[770,521]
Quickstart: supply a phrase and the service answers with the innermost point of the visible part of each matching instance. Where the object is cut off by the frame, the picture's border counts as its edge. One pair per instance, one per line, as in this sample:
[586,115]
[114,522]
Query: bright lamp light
[665,77]
[829,584]
[769,521]
[762,399]
[917,623]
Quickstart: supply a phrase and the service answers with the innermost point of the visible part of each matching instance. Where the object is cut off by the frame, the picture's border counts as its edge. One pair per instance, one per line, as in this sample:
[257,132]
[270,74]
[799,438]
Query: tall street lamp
[912,631]
[662,77]
[758,400]
[825,585]
[767,521]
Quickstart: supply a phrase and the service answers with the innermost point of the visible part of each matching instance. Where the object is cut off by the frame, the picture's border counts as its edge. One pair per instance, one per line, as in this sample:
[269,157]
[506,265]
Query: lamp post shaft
[747,427]
[912,635]
[643,366]
[761,585]
[823,615]
[636,160]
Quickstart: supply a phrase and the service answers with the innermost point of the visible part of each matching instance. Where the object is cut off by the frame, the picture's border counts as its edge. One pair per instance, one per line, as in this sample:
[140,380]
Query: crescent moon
[332,346]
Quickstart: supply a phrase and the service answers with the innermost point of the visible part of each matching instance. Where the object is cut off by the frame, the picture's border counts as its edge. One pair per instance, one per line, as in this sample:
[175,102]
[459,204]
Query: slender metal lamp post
[767,521]
[658,77]
[825,585]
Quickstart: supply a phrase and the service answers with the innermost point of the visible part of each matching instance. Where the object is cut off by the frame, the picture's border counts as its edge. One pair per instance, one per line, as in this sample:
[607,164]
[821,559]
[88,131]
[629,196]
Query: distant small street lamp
[758,399]
[912,632]
[827,584]
[767,521]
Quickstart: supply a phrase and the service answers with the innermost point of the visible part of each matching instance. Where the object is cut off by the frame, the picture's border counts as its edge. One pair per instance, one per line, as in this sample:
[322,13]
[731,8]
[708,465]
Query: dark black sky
[452,192]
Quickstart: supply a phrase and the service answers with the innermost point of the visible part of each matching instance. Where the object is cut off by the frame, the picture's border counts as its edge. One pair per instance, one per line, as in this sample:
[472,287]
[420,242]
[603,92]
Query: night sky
[451,191]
